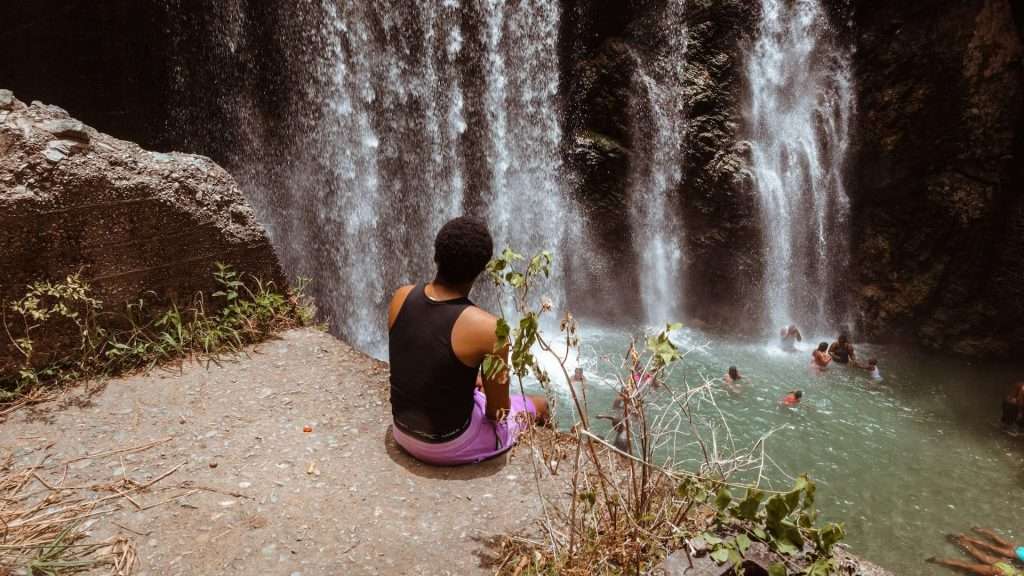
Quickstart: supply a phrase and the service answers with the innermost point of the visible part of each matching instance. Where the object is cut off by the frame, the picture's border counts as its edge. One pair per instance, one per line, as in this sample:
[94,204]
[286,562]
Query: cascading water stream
[657,172]
[801,100]
[398,127]
[527,207]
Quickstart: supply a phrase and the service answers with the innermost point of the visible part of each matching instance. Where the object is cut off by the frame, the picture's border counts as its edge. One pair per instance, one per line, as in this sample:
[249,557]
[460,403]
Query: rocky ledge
[133,223]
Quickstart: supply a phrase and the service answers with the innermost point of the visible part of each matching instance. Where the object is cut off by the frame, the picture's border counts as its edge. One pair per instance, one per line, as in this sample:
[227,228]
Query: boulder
[135,224]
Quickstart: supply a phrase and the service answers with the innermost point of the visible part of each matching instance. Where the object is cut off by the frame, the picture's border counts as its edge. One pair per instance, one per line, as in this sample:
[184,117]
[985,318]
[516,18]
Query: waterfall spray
[657,167]
[800,107]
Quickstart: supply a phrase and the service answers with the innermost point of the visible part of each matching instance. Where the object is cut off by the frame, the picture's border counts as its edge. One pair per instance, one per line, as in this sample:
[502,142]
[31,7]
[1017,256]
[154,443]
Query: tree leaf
[742,543]
[829,536]
[722,499]
[711,539]
[720,555]
[749,507]
[822,567]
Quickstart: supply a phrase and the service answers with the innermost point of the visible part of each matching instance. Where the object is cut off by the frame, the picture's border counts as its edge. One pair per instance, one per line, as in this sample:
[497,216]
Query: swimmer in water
[820,358]
[997,557]
[1013,407]
[577,375]
[731,380]
[792,399]
[872,367]
[788,337]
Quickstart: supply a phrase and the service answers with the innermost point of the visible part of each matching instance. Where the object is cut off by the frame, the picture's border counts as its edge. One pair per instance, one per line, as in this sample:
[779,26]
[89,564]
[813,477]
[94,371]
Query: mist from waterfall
[407,114]
[656,171]
[527,205]
[801,101]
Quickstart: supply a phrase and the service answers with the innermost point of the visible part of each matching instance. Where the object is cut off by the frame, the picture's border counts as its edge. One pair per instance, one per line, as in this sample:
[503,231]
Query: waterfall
[527,207]
[656,171]
[401,115]
[801,100]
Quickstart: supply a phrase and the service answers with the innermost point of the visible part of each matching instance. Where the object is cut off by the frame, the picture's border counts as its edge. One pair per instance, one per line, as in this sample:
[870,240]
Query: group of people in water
[841,352]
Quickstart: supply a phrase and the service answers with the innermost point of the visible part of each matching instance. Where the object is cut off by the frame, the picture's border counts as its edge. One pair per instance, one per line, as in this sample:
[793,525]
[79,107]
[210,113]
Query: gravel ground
[255,493]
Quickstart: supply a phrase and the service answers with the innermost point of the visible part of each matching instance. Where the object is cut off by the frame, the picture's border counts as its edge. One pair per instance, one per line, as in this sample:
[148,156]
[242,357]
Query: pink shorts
[482,440]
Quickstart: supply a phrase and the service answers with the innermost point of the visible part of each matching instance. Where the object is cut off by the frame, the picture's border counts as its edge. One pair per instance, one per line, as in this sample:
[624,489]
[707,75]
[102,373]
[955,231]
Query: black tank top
[431,389]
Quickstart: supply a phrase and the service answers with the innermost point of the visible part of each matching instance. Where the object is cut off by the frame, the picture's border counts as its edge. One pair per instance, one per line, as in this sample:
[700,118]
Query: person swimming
[788,337]
[731,380]
[995,557]
[792,399]
[872,367]
[1013,406]
[820,358]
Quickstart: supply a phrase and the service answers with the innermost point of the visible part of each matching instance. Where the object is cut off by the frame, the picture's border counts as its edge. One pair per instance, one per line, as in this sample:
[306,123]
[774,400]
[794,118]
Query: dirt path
[257,495]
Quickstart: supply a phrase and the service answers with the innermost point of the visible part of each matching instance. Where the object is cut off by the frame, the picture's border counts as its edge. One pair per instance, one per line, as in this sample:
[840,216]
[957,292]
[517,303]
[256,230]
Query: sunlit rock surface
[135,224]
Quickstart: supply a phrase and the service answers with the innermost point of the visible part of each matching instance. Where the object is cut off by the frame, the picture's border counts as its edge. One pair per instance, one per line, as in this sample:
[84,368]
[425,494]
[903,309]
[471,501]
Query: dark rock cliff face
[597,72]
[938,213]
[601,45]
[134,224]
[722,227]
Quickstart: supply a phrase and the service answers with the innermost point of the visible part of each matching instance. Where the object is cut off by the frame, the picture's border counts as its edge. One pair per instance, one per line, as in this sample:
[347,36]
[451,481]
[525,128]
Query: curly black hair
[462,250]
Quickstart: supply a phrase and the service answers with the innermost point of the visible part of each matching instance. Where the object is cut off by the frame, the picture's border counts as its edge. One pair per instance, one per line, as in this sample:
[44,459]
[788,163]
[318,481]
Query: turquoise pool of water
[902,462]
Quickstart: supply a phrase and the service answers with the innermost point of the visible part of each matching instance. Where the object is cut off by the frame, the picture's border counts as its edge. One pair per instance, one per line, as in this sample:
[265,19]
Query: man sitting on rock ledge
[437,340]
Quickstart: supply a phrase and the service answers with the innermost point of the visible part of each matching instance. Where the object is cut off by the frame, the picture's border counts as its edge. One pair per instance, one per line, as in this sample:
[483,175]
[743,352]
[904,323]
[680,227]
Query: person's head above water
[873,362]
[734,373]
[823,347]
[843,337]
[798,394]
[462,250]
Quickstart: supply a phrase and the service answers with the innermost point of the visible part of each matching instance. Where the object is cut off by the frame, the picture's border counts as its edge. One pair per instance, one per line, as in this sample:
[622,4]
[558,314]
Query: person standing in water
[820,358]
[437,341]
[842,350]
[788,337]
[1013,406]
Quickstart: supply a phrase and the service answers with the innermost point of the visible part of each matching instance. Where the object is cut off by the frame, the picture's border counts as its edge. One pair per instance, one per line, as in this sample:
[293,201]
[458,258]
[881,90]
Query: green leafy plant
[786,522]
[103,343]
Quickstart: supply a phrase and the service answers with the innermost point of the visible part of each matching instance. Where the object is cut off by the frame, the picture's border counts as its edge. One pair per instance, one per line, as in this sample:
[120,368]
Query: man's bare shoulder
[477,318]
[402,292]
[396,302]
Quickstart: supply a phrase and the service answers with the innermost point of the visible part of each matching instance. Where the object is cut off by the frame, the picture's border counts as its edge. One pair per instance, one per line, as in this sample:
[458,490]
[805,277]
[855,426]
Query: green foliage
[664,351]
[786,522]
[247,310]
[506,273]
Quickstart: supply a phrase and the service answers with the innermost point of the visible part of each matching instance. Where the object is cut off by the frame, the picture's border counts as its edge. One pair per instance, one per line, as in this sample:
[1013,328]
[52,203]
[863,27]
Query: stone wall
[135,224]
[938,214]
